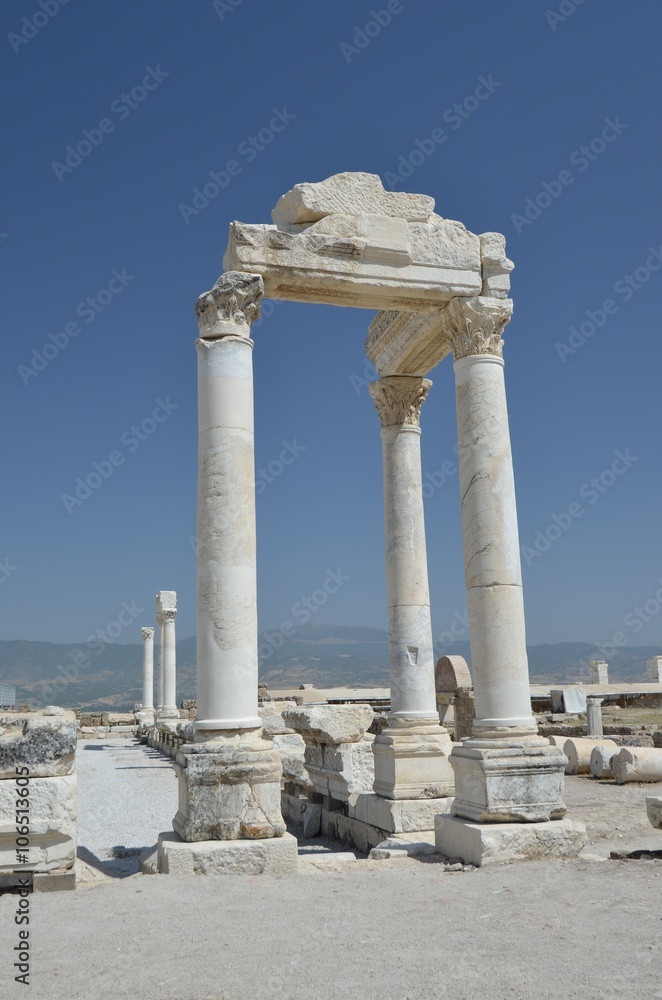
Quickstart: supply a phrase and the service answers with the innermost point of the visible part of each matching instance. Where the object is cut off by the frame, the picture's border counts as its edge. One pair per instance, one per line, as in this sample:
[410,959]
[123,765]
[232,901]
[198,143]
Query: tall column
[159,679]
[229,776]
[411,754]
[166,602]
[148,668]
[505,772]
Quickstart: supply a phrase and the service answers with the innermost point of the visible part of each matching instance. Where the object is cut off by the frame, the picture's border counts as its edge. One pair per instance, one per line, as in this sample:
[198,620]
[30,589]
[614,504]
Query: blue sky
[169,93]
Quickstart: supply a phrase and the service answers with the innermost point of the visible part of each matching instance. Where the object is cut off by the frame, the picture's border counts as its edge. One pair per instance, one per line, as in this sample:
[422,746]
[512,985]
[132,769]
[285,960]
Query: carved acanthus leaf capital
[159,618]
[168,615]
[476,325]
[399,398]
[233,303]
[148,632]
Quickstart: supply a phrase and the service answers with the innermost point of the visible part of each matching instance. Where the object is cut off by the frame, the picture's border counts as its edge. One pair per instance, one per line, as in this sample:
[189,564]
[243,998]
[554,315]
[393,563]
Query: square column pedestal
[229,817]
[414,780]
[508,805]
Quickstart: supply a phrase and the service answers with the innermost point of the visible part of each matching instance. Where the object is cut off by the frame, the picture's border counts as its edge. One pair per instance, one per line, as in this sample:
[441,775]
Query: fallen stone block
[330,723]
[291,748]
[312,820]
[637,764]
[578,753]
[342,769]
[273,723]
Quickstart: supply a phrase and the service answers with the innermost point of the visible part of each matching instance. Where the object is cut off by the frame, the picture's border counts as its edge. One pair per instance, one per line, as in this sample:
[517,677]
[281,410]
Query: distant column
[159,679]
[148,667]
[166,603]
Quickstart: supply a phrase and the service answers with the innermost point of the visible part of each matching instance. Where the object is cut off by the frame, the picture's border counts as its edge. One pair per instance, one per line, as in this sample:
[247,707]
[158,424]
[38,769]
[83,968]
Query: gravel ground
[389,930]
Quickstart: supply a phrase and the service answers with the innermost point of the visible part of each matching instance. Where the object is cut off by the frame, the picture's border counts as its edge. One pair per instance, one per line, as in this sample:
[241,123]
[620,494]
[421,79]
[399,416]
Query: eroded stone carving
[232,304]
[398,399]
[476,325]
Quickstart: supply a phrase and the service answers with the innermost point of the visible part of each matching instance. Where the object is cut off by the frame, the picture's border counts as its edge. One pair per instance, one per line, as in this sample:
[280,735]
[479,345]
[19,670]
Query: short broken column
[229,815]
[578,752]
[594,717]
[637,764]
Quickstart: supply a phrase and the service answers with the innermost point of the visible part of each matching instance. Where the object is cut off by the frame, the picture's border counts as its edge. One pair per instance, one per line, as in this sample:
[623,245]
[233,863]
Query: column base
[412,760]
[276,856]
[229,789]
[496,843]
[398,815]
[521,783]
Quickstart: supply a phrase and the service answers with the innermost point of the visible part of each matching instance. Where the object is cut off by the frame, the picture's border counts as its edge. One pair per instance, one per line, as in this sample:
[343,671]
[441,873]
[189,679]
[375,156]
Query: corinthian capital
[148,632]
[399,398]
[229,308]
[476,325]
[168,615]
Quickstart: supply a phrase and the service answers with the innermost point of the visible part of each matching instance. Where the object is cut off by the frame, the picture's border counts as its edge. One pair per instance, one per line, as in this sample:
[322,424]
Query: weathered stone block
[654,811]
[330,723]
[496,843]
[277,856]
[44,744]
[272,719]
[52,804]
[398,815]
[291,748]
[341,769]
[229,789]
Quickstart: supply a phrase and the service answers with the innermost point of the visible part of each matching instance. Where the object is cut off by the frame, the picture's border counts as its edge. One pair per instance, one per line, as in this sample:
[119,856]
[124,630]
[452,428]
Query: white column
[227,664]
[148,668]
[398,399]
[159,679]
[489,521]
[169,709]
[411,754]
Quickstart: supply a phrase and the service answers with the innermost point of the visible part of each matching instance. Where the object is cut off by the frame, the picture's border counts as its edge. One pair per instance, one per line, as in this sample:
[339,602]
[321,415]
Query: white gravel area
[127,795]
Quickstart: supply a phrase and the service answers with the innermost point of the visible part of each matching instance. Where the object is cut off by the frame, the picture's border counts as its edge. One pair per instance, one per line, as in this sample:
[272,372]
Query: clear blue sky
[212,78]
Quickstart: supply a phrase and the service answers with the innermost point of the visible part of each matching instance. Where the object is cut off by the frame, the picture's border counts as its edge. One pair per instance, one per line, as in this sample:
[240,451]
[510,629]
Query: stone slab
[394,848]
[398,815]
[330,723]
[276,856]
[349,194]
[496,843]
[53,881]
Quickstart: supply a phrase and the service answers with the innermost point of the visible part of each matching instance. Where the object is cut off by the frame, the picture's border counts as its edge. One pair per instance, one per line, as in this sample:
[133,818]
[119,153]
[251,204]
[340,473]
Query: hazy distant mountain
[323,655]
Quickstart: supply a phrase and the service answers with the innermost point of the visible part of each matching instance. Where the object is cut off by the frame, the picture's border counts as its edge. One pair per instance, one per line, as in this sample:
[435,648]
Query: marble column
[159,678]
[148,669]
[504,772]
[166,611]
[229,776]
[411,754]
